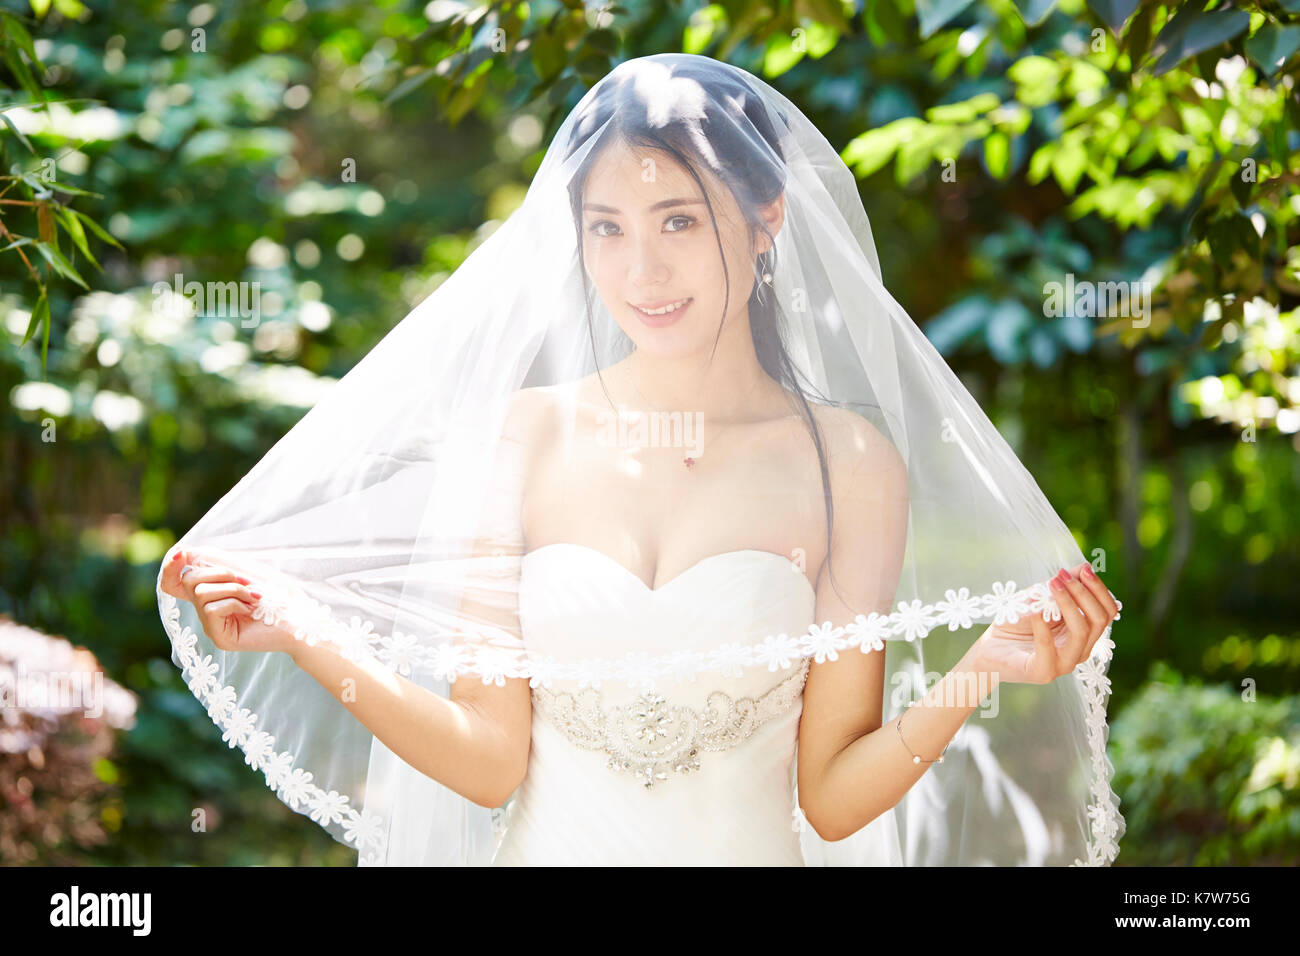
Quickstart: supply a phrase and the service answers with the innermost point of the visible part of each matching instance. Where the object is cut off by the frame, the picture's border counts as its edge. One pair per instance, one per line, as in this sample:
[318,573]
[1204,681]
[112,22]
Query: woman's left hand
[1026,651]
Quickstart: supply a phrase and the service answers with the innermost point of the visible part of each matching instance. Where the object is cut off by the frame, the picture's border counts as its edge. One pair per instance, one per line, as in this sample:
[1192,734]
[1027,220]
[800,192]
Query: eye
[595,227]
[689,220]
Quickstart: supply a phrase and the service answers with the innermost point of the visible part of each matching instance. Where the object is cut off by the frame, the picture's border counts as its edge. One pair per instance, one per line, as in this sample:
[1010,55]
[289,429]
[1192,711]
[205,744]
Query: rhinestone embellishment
[650,737]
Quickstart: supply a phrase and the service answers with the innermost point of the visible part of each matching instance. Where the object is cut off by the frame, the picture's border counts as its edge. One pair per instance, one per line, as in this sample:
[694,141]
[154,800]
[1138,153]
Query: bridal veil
[387,519]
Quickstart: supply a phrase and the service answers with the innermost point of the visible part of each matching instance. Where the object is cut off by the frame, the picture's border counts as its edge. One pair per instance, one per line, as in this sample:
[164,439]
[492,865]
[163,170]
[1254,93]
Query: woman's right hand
[224,601]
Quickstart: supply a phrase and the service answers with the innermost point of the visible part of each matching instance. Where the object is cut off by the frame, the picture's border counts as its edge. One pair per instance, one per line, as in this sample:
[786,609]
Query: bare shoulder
[531,412]
[856,449]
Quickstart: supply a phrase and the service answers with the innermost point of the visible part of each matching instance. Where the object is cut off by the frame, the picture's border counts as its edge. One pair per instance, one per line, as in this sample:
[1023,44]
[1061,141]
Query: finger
[1078,632]
[226,607]
[211,591]
[1087,601]
[211,574]
[1099,590]
[171,575]
[1045,649]
[1088,597]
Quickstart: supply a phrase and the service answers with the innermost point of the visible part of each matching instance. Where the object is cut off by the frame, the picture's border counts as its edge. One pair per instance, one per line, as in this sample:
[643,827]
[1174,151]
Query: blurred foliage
[1209,775]
[346,157]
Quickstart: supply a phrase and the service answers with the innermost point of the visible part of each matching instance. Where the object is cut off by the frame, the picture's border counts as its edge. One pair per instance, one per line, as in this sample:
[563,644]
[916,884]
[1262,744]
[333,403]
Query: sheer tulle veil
[387,520]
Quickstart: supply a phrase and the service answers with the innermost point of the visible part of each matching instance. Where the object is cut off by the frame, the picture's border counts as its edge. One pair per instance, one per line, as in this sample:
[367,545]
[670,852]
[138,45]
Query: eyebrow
[662,204]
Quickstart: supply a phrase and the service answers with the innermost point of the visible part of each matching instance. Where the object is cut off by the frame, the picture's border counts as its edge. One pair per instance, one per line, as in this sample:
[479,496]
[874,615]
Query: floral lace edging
[913,620]
[362,830]
[365,831]
[458,654]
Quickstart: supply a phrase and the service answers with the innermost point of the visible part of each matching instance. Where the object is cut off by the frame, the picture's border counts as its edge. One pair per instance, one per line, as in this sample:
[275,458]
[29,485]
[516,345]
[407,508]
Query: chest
[756,487]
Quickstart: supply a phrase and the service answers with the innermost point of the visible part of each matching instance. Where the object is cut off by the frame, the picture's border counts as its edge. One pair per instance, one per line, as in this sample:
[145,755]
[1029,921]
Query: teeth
[671,307]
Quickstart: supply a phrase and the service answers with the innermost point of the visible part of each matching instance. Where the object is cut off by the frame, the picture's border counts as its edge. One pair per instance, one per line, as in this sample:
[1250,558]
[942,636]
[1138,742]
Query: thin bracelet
[915,759]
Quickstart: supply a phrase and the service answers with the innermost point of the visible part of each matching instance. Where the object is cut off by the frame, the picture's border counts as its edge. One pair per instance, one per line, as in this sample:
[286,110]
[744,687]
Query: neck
[725,388]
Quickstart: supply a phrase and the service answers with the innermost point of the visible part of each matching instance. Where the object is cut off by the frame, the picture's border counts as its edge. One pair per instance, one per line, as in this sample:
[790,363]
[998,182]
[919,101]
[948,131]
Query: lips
[661,304]
[663,312]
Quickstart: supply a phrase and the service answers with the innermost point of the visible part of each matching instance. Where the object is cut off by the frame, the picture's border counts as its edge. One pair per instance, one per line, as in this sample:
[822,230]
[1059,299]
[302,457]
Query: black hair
[718,136]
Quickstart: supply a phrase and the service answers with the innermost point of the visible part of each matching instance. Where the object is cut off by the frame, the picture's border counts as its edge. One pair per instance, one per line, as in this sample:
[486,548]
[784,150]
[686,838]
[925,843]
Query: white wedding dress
[605,784]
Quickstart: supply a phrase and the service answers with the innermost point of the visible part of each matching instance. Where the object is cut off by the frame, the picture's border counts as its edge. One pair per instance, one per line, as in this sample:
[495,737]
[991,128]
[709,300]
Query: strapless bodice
[671,771]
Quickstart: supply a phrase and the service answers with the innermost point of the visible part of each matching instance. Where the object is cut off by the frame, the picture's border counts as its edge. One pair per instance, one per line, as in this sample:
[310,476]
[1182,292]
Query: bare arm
[476,741]
[851,769]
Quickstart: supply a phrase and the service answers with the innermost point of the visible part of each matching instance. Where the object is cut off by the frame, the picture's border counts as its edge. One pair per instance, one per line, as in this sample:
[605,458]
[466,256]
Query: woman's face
[652,255]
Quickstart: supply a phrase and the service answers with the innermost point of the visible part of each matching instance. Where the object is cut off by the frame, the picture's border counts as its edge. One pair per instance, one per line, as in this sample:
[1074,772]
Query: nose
[647,267]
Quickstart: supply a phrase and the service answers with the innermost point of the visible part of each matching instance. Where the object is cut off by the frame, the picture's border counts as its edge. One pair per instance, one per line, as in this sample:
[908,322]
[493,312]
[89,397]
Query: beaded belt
[650,737]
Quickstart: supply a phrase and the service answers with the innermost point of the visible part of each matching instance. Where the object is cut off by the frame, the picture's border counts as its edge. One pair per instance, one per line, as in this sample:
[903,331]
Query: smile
[663,309]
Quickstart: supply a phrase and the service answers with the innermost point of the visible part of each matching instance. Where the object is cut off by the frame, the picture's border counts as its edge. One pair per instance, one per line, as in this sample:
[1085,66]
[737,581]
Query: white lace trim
[293,785]
[447,660]
[458,654]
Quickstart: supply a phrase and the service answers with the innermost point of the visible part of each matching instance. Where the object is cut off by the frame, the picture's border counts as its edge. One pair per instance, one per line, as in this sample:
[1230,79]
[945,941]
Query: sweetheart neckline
[671,581]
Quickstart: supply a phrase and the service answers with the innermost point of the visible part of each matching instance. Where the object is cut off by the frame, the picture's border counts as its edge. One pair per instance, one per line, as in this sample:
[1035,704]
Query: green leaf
[823,13]
[1113,12]
[40,314]
[31,105]
[95,227]
[884,23]
[78,234]
[1034,12]
[412,82]
[548,54]
[934,14]
[781,54]
[1272,44]
[19,68]
[964,112]
[45,335]
[17,132]
[1036,79]
[60,264]
[34,180]
[603,40]
[1069,163]
[821,39]
[1241,189]
[702,27]
[1227,234]
[997,154]
[871,150]
[1137,41]
[14,27]
[25,241]
[1192,30]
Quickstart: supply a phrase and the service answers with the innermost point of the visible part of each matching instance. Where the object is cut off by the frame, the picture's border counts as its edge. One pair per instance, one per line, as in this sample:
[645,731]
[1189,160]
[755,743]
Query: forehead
[631,178]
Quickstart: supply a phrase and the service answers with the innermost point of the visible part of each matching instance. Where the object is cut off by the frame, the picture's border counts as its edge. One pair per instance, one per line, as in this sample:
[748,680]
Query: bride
[631,497]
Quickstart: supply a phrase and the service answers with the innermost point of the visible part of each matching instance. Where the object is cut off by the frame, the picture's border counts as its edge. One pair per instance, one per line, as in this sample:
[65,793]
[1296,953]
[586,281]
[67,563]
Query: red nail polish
[1091,574]
[1056,584]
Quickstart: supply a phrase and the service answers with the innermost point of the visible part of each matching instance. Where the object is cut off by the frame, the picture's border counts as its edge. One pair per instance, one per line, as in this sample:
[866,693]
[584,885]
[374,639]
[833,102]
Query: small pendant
[688,462]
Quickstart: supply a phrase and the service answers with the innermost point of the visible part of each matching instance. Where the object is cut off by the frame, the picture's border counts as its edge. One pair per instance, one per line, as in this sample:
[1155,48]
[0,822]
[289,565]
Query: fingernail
[1056,584]
[255,594]
[1089,572]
